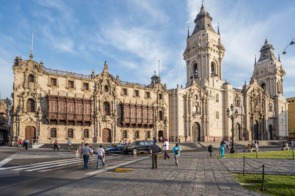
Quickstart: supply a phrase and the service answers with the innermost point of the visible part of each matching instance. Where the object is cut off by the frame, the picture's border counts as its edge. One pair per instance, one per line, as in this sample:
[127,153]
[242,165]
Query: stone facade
[198,112]
[5,106]
[51,104]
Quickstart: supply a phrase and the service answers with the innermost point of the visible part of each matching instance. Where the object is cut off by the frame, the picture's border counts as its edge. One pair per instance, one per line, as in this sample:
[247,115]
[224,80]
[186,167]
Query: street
[34,171]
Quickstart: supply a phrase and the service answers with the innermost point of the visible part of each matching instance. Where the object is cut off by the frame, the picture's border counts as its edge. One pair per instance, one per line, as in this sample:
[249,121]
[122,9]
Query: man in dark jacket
[155,150]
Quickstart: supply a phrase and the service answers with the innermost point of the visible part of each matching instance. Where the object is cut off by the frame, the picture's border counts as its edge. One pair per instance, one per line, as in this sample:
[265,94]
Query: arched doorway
[30,134]
[196,132]
[161,135]
[270,132]
[238,133]
[106,135]
[256,131]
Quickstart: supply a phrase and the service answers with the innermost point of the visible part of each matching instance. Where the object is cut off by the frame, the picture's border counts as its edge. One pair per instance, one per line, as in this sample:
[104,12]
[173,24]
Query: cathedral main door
[196,133]
[106,135]
[30,134]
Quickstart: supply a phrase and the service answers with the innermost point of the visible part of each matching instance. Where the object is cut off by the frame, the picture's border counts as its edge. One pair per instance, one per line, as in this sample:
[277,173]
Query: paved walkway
[197,174]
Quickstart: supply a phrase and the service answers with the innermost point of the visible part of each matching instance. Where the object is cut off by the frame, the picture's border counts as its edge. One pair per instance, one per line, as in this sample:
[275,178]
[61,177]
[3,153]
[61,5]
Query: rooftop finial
[159,66]
[218,29]
[255,60]
[187,32]
[32,46]
[279,57]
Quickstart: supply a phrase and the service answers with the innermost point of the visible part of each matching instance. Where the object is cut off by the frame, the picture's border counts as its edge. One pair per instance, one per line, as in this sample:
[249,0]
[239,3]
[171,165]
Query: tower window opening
[196,72]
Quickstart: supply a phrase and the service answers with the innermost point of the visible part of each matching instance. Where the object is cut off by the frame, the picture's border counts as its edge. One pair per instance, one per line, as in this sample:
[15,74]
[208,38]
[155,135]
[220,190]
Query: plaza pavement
[197,174]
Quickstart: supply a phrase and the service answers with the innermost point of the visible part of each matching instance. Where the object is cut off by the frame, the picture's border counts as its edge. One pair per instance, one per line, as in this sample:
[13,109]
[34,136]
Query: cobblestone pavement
[197,174]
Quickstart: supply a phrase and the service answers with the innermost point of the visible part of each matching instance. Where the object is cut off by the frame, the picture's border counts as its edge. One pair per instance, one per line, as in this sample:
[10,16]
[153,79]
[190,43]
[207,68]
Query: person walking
[166,147]
[19,144]
[210,149]
[55,145]
[26,143]
[69,143]
[86,154]
[100,156]
[176,150]
[222,149]
[155,150]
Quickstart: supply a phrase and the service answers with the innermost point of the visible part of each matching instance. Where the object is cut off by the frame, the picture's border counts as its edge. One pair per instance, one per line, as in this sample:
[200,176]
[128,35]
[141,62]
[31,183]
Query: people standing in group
[155,150]
[210,150]
[166,147]
[69,143]
[176,150]
[55,145]
[86,154]
[26,143]
[222,149]
[100,156]
[19,144]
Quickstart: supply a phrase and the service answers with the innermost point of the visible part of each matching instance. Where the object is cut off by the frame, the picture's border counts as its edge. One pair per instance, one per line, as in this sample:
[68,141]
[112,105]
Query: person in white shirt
[100,156]
[166,147]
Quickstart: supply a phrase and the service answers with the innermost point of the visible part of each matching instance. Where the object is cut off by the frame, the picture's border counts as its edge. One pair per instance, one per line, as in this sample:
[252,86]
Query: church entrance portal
[196,133]
[106,135]
[30,134]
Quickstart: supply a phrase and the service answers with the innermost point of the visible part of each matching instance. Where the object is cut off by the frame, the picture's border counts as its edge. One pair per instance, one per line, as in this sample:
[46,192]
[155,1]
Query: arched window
[70,133]
[30,105]
[106,107]
[31,78]
[212,69]
[217,115]
[270,107]
[160,96]
[263,85]
[160,115]
[136,134]
[238,102]
[53,132]
[86,133]
[196,72]
[217,98]
[125,134]
[148,134]
[196,97]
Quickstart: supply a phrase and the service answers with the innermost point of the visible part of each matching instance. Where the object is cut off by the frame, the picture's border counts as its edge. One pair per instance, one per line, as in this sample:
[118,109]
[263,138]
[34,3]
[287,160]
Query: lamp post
[291,43]
[232,115]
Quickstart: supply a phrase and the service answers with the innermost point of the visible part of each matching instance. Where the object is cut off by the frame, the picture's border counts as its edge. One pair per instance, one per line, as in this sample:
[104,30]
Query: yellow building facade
[291,115]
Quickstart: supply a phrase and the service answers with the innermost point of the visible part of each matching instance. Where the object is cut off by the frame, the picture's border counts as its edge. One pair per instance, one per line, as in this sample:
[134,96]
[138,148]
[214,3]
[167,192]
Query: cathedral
[100,108]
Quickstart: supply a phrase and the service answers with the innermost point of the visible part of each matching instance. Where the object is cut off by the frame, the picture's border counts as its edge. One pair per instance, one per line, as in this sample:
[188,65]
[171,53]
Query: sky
[133,36]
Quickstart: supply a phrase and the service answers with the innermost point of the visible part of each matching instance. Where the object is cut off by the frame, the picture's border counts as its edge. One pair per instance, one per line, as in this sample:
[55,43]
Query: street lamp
[291,43]
[232,115]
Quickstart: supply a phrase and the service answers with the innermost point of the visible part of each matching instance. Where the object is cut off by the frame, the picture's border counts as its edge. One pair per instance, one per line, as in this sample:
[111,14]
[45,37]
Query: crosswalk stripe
[50,165]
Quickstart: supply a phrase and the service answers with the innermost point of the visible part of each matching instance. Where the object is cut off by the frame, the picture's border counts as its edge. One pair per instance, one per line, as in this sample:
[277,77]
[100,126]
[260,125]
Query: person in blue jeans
[176,150]
[100,156]
[86,154]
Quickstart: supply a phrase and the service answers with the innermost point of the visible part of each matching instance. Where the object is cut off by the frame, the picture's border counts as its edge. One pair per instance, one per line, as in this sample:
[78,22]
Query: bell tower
[204,51]
[268,71]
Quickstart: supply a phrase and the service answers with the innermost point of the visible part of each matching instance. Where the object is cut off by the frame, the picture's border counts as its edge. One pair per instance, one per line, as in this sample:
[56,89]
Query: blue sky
[132,35]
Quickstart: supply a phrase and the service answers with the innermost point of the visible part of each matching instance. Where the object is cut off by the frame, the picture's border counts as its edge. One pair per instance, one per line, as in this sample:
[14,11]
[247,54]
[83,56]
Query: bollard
[262,186]
[293,151]
[244,165]
[256,153]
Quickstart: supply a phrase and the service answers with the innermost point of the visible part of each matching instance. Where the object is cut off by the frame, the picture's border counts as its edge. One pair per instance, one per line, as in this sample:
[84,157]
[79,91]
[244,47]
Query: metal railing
[59,72]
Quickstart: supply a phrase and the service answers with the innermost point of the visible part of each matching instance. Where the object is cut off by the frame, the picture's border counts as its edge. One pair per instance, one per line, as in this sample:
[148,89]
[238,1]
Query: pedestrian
[154,140]
[256,146]
[222,149]
[292,143]
[19,144]
[210,149]
[55,145]
[86,154]
[100,156]
[176,150]
[69,143]
[26,143]
[166,147]
[155,150]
